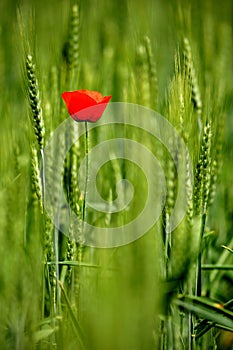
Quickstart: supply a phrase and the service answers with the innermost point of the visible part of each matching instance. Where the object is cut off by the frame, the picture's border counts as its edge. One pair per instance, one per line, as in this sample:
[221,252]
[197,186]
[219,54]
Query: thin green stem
[199,273]
[216,267]
[86,176]
[56,252]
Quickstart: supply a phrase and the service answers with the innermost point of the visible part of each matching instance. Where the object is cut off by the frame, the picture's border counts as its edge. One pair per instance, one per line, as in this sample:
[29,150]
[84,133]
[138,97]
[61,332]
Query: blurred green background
[110,35]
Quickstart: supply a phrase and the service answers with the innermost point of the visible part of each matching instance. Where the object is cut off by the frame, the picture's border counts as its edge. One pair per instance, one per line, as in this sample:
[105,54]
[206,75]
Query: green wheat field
[165,290]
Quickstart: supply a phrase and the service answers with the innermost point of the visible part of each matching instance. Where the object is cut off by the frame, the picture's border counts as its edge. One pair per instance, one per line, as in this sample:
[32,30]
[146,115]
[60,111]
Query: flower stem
[86,175]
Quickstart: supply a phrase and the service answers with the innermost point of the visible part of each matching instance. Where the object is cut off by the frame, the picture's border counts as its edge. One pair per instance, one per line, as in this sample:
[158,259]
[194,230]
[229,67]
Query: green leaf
[206,309]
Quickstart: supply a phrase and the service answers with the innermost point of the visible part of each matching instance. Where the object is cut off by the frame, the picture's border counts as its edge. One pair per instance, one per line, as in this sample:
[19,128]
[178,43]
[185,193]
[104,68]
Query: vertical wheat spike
[203,172]
[143,86]
[191,74]
[34,101]
[48,240]
[189,193]
[207,164]
[71,47]
[71,173]
[73,56]
[217,158]
[171,184]
[214,178]
[36,180]
[169,206]
[131,90]
[74,192]
[152,74]
[70,178]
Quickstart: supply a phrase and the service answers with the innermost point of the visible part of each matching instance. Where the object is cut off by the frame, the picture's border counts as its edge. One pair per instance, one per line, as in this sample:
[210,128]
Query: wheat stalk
[36,179]
[34,101]
[71,47]
[193,81]
[143,87]
[152,74]
[203,172]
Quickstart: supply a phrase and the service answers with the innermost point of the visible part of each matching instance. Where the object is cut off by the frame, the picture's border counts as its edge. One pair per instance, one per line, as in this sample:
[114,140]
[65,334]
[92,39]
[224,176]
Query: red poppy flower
[85,105]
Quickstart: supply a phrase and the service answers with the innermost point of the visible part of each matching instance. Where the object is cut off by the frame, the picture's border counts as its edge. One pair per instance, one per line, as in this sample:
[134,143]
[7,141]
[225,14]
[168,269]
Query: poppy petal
[95,95]
[85,105]
[97,112]
[106,99]
[76,101]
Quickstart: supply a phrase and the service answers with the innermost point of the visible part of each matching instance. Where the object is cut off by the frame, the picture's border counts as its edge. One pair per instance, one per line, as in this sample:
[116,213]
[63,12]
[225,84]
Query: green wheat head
[34,101]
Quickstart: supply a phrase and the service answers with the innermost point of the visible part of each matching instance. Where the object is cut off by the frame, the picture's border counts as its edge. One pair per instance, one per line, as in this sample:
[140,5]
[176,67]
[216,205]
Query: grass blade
[206,310]
[77,327]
